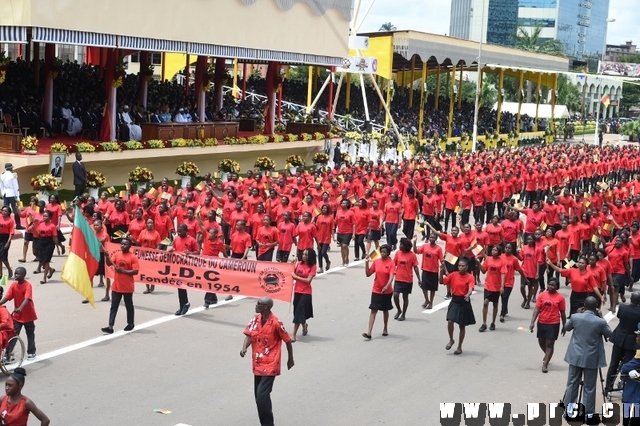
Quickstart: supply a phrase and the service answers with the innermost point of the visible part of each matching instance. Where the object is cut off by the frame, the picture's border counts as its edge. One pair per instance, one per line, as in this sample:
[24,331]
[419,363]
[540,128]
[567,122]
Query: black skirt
[429,281]
[381,302]
[460,311]
[4,252]
[402,287]
[548,331]
[47,246]
[100,270]
[302,308]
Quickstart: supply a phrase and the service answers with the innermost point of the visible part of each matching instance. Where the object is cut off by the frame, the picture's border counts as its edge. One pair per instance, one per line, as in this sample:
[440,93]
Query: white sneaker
[31,356]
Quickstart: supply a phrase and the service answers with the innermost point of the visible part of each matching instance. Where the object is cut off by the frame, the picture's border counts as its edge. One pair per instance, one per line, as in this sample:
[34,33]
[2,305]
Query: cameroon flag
[84,256]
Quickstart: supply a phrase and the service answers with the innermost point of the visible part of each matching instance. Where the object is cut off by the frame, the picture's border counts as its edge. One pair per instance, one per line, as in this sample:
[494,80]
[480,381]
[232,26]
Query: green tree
[489,95]
[630,97]
[632,59]
[387,26]
[529,40]
[568,94]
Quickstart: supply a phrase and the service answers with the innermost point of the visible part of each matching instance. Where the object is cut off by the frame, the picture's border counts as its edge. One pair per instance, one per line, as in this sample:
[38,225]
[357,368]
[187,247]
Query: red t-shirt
[496,234]
[361,217]
[493,268]
[384,269]
[534,219]
[286,232]
[17,414]
[212,247]
[304,271]
[135,227]
[47,230]
[510,265]
[164,225]
[148,239]
[392,212]
[240,241]
[123,283]
[7,225]
[529,257]
[580,282]
[431,257]
[405,263]
[266,235]
[324,227]
[306,235]
[18,293]
[550,305]
[618,258]
[410,208]
[345,220]
[459,284]
[375,216]
[453,246]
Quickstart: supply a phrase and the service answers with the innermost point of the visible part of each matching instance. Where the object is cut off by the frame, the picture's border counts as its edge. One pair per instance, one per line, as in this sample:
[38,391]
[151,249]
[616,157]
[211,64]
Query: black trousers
[358,246]
[323,254]
[30,329]
[116,297]
[618,355]
[408,227]
[262,386]
[183,298]
[448,213]
[465,216]
[504,299]
[79,190]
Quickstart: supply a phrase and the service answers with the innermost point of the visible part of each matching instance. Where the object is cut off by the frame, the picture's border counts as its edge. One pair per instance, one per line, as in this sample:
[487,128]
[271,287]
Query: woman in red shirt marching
[432,258]
[550,309]
[15,407]
[493,285]
[346,229]
[406,262]
[303,273]
[385,270]
[48,239]
[460,283]
[361,216]
[325,226]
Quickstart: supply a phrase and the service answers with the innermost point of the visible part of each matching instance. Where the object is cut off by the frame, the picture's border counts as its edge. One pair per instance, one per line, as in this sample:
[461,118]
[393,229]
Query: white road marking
[121,333]
[609,316]
[182,424]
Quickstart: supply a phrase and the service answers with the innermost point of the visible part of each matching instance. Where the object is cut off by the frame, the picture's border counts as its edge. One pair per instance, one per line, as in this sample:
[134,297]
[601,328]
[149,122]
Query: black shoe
[129,327]
[179,311]
[20,227]
[185,308]
[107,330]
[492,326]
[483,327]
[206,305]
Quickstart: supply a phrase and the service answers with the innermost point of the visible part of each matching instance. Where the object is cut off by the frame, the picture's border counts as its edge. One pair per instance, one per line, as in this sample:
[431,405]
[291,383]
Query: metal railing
[345,121]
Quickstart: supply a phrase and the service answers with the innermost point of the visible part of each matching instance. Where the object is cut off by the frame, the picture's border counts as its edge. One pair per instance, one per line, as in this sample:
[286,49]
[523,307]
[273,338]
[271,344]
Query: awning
[81,38]
[544,110]
[260,55]
[13,34]
[151,45]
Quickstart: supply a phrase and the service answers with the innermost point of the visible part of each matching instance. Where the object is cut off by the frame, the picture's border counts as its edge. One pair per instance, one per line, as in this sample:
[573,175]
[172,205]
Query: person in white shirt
[187,115]
[11,192]
[135,131]
[74,125]
[180,118]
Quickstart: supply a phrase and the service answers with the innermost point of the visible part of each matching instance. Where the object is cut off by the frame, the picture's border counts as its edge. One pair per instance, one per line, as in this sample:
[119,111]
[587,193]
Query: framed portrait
[56,164]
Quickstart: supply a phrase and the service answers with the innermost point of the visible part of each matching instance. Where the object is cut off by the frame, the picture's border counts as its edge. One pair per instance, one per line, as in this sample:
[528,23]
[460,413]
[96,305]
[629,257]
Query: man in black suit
[337,156]
[624,337]
[79,176]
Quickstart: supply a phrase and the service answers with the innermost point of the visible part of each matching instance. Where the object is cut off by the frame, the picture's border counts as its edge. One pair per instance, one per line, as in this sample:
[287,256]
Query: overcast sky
[432,16]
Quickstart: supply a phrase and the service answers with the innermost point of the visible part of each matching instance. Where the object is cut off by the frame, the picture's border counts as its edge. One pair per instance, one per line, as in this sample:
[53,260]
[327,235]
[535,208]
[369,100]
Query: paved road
[191,367]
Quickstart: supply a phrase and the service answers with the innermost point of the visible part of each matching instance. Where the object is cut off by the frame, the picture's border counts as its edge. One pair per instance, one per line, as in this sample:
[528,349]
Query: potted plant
[59,148]
[320,159]
[30,145]
[227,166]
[294,162]
[45,184]
[95,181]
[187,170]
[264,164]
[141,176]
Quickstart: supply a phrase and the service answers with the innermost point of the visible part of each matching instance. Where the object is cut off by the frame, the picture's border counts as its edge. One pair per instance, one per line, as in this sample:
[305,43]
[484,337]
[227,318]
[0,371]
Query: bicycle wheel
[13,355]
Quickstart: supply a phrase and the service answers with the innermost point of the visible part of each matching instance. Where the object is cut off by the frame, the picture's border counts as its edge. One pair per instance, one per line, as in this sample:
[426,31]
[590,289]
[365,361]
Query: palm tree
[529,40]
[387,26]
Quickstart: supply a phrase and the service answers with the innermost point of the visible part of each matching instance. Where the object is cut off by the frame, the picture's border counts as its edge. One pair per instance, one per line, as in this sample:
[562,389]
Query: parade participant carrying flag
[84,256]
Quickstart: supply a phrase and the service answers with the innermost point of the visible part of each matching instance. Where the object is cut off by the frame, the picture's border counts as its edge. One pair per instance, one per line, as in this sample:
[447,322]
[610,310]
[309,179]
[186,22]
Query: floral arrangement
[59,147]
[236,141]
[207,78]
[45,183]
[118,76]
[187,168]
[111,146]
[318,136]
[278,138]
[147,74]
[181,143]
[291,137]
[320,158]
[306,137]
[258,139]
[210,142]
[54,71]
[4,62]
[296,161]
[30,143]
[140,174]
[85,147]
[346,158]
[265,163]
[375,135]
[354,136]
[280,127]
[133,145]
[155,143]
[228,166]
[95,179]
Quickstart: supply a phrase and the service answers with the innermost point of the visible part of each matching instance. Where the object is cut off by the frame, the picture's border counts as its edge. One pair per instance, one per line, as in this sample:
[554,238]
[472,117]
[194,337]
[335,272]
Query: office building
[581,25]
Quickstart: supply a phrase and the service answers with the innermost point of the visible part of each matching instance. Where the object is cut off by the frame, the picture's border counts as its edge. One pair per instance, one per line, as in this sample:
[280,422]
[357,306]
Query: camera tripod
[581,413]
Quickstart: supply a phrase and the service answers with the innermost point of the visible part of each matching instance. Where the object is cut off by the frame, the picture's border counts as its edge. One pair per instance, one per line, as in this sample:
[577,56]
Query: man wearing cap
[624,337]
[11,192]
[180,118]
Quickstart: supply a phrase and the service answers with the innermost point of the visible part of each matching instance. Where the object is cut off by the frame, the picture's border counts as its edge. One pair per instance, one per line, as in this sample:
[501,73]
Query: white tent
[544,110]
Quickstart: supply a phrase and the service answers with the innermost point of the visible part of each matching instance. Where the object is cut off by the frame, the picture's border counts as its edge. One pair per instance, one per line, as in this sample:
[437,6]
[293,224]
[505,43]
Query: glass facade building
[581,25]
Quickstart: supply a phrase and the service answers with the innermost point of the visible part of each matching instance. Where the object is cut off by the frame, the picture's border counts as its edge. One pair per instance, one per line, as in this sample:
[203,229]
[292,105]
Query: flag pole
[599,101]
